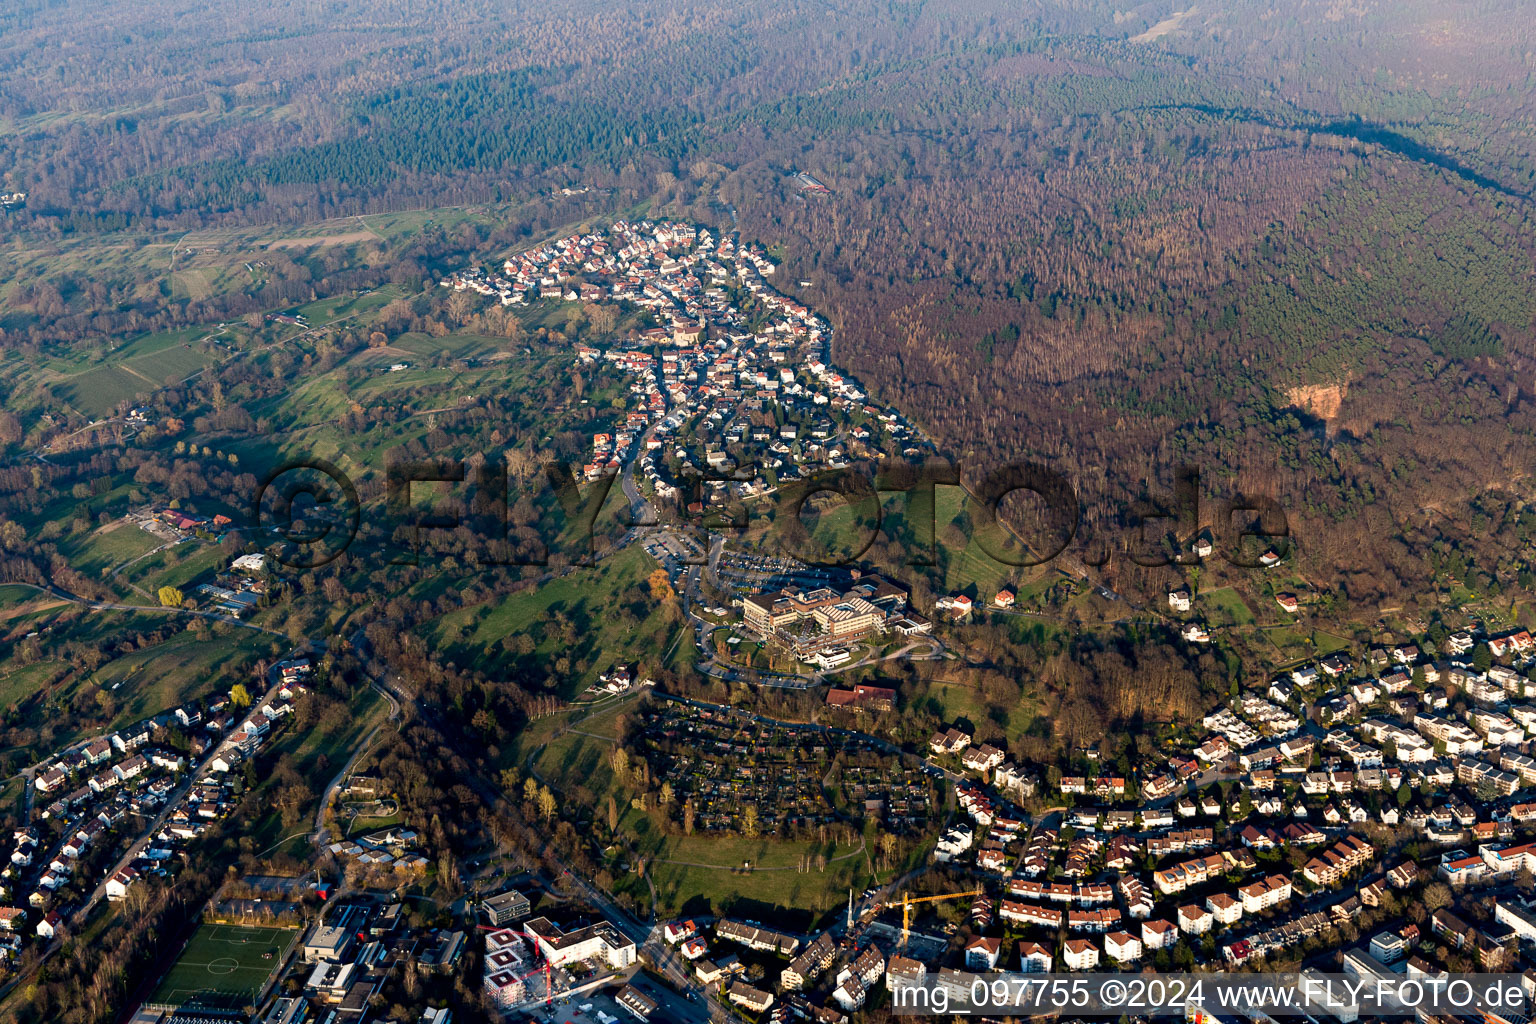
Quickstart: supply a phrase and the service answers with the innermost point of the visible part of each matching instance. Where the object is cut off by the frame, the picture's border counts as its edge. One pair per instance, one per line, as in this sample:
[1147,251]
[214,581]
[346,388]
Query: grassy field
[684,655]
[540,731]
[336,306]
[955,701]
[224,966]
[11,795]
[148,682]
[457,346]
[361,826]
[772,886]
[968,568]
[220,260]
[14,596]
[1225,607]
[836,531]
[103,548]
[21,682]
[1025,628]
[180,267]
[305,418]
[23,609]
[1327,643]
[142,365]
[589,599]
[67,622]
[1292,643]
[575,756]
[175,567]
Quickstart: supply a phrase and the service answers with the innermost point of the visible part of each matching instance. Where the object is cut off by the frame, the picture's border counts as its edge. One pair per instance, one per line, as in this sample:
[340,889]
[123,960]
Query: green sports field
[224,966]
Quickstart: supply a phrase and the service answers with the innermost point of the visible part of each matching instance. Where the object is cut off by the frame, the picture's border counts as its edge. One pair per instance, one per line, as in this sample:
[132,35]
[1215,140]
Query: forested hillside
[1114,240]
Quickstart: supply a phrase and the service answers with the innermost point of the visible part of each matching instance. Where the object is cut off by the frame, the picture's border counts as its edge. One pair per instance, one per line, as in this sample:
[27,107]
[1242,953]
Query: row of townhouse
[1407,746]
[1238,733]
[856,979]
[1283,934]
[1456,739]
[1270,719]
[1265,894]
[1333,780]
[1103,787]
[1481,776]
[1057,892]
[1333,864]
[1110,820]
[754,936]
[1181,840]
[1181,876]
[1122,852]
[1019,912]
[1138,900]
[1497,730]
[1360,754]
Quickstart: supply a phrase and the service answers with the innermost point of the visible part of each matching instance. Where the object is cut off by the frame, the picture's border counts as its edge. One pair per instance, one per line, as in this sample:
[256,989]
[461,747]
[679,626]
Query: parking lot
[673,548]
[751,572]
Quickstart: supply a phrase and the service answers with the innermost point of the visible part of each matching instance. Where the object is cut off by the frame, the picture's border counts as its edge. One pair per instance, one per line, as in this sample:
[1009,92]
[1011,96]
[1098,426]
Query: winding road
[115,606]
[329,797]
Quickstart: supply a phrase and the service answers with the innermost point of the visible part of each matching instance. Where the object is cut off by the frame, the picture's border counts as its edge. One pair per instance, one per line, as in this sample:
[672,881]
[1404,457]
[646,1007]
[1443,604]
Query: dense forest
[130,115]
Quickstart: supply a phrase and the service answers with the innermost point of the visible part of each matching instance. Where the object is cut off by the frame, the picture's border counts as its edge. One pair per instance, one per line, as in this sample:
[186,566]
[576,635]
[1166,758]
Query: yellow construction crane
[907,899]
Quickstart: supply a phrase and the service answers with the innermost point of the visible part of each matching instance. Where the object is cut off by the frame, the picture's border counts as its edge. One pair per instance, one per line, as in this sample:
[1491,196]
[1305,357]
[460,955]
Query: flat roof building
[507,907]
[328,942]
[601,941]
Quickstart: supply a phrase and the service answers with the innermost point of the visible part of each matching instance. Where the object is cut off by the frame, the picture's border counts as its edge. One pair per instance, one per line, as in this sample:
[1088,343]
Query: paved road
[171,804]
[935,653]
[640,511]
[113,606]
[335,784]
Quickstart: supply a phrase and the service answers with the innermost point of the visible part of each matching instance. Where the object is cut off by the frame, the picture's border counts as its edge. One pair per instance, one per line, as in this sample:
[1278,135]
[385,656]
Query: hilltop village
[734,383]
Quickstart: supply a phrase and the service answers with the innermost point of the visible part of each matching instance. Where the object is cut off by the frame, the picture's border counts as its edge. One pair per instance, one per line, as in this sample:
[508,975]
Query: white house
[1158,934]
[1080,955]
[981,953]
[119,884]
[1122,946]
[1225,908]
[1195,921]
[249,563]
[1034,958]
